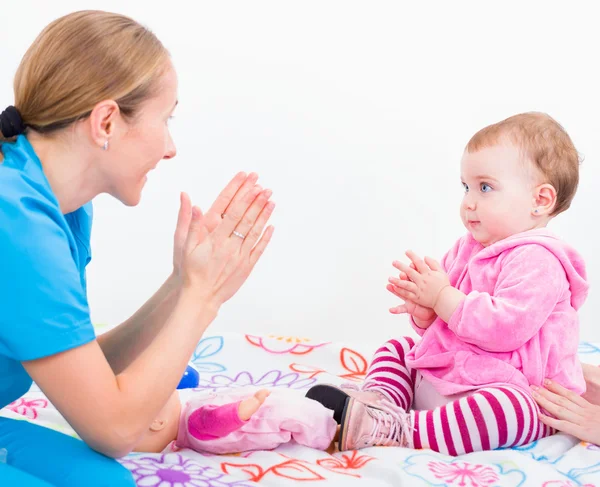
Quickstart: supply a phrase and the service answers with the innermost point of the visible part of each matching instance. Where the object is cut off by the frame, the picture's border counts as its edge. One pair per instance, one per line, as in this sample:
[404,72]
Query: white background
[355,114]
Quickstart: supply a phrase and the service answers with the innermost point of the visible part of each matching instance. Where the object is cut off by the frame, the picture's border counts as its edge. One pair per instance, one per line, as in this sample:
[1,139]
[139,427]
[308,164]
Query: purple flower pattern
[173,470]
[273,378]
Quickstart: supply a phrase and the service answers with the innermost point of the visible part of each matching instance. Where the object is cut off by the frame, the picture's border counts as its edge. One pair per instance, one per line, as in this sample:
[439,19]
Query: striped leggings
[490,418]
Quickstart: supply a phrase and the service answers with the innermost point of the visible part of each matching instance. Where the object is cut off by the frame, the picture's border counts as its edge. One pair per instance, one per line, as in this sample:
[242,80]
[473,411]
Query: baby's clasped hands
[425,283]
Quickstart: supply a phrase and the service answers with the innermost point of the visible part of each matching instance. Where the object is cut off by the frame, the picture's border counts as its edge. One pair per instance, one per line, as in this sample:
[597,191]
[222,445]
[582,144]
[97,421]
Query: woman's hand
[573,414]
[591,374]
[211,219]
[220,254]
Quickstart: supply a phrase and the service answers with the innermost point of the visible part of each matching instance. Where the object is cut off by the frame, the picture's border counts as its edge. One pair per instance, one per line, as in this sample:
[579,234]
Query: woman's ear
[102,121]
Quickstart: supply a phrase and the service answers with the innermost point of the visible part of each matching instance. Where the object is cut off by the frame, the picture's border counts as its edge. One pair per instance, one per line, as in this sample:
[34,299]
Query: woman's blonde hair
[84,58]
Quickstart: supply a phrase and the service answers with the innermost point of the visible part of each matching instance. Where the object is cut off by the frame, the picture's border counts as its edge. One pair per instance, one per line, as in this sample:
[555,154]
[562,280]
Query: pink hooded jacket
[518,324]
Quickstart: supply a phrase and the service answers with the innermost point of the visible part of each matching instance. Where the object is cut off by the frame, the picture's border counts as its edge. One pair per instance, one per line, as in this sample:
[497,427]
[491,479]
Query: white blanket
[294,364]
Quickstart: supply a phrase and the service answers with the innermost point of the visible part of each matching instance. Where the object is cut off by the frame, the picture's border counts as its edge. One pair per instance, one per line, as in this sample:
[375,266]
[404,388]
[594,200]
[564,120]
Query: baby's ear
[544,200]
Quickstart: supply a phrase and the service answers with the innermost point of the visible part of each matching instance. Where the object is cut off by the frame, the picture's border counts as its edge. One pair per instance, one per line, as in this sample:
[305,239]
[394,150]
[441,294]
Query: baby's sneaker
[363,426]
[336,397]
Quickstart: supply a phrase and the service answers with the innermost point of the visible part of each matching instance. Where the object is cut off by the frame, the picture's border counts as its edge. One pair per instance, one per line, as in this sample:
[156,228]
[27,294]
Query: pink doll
[239,420]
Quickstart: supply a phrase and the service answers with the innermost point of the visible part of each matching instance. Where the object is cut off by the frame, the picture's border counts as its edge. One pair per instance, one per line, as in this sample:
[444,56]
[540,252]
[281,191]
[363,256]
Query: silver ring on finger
[238,234]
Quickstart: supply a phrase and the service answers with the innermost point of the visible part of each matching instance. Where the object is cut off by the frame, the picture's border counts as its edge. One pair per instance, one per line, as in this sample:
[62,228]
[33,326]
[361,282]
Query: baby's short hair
[543,140]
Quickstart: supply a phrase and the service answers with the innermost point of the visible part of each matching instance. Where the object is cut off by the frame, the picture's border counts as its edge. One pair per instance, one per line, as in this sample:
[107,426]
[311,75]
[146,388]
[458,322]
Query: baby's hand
[417,311]
[422,316]
[250,405]
[426,280]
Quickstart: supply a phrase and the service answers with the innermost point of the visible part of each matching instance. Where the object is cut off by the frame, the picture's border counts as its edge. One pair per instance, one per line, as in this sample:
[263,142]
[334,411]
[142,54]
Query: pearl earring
[105,146]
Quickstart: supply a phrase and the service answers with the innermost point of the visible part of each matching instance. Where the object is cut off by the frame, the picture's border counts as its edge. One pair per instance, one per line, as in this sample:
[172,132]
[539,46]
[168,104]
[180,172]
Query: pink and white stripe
[389,375]
[490,418]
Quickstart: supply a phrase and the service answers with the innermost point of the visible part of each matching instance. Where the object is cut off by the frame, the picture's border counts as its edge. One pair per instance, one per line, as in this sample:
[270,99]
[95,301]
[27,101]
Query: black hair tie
[11,123]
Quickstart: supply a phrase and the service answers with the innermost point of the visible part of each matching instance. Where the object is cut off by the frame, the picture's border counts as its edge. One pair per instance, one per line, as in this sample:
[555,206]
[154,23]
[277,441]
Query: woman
[93,96]
[576,415]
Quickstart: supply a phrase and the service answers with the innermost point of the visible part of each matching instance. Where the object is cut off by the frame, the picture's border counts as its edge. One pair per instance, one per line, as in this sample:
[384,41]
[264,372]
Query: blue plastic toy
[190,379]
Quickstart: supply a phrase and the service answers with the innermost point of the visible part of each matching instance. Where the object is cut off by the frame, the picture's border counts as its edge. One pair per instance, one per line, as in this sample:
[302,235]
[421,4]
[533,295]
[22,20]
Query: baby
[239,421]
[496,316]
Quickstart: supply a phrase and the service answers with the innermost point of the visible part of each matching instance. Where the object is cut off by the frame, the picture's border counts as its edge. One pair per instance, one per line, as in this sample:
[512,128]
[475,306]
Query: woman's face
[142,144]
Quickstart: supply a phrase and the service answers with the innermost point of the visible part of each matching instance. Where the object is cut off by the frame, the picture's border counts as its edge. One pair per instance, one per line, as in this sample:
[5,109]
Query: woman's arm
[124,343]
[109,411]
[112,411]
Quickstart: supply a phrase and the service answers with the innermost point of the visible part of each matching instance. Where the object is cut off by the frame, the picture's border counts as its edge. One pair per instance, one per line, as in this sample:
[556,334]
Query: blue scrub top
[43,255]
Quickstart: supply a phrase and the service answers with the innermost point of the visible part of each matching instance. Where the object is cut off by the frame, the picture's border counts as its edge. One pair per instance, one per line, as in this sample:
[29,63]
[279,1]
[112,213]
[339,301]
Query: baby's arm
[210,422]
[530,284]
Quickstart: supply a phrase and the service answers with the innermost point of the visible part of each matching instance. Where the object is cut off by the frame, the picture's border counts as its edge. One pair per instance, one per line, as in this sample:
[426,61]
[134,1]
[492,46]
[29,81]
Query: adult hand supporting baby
[591,374]
[573,414]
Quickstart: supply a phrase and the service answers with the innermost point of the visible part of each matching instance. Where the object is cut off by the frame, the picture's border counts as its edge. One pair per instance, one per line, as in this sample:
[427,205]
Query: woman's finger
[562,425]
[558,406]
[559,390]
[230,196]
[417,261]
[184,217]
[260,247]
[219,207]
[259,225]
[197,231]
[182,228]
[251,219]
[236,212]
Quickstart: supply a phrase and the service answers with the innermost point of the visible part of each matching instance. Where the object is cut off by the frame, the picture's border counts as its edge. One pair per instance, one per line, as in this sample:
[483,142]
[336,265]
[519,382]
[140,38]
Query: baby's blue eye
[465,187]
[485,188]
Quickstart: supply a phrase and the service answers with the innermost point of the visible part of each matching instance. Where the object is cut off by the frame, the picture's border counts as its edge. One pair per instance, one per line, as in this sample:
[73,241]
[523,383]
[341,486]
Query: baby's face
[499,193]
